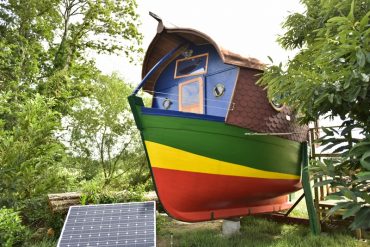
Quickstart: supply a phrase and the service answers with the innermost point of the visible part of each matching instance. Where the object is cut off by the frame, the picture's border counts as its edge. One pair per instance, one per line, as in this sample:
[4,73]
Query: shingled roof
[253,111]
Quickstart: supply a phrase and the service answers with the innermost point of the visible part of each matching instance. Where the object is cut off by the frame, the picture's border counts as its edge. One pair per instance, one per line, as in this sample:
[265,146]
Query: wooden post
[313,137]
[313,218]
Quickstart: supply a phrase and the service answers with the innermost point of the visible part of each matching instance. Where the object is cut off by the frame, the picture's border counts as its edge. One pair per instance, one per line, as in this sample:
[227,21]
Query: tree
[44,44]
[45,70]
[330,77]
[102,129]
[30,156]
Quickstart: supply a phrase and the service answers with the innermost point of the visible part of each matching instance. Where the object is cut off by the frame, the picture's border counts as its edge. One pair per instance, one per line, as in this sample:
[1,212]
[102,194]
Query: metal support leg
[294,205]
[313,219]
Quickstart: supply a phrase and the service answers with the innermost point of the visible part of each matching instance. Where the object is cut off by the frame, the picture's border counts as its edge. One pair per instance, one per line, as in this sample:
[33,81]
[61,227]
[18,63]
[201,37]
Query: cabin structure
[202,77]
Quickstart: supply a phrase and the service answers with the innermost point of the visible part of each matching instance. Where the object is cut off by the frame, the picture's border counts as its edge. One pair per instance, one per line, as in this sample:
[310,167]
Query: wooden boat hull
[204,169]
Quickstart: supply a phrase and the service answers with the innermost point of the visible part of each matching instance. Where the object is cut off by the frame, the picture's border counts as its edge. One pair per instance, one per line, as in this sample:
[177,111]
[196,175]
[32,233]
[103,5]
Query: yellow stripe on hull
[162,156]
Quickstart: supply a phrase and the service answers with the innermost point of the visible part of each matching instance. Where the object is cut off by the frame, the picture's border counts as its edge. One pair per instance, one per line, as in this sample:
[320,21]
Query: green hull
[205,169]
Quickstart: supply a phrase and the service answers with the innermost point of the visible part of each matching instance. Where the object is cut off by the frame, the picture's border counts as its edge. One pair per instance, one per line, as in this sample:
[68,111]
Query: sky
[247,27]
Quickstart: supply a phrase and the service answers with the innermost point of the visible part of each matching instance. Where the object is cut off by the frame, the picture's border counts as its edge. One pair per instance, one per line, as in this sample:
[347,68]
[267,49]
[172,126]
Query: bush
[94,193]
[36,213]
[12,231]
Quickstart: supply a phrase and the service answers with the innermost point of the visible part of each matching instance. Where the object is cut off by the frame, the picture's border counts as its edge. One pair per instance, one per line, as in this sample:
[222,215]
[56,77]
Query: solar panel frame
[107,236]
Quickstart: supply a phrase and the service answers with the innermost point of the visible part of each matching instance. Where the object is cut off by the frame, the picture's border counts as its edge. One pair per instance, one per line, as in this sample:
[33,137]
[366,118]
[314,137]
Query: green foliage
[330,77]
[102,130]
[111,22]
[37,214]
[348,173]
[12,231]
[46,71]
[45,46]
[30,155]
[94,193]
[44,43]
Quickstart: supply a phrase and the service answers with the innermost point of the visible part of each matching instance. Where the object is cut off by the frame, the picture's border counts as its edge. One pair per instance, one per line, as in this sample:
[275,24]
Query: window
[195,65]
[166,103]
[191,96]
[218,90]
[276,102]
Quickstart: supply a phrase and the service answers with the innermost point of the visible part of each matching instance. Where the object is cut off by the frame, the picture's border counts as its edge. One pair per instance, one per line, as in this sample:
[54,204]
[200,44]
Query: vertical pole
[315,134]
[322,193]
[313,219]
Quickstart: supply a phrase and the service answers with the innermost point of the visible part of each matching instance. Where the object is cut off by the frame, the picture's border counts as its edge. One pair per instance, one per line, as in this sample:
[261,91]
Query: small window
[191,96]
[195,65]
[218,90]
[276,103]
[166,103]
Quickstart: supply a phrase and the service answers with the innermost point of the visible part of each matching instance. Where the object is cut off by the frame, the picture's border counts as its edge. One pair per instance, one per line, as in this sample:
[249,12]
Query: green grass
[42,243]
[255,232]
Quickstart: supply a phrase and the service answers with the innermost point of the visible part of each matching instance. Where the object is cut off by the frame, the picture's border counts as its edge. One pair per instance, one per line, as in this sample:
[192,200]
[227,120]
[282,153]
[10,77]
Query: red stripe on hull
[190,196]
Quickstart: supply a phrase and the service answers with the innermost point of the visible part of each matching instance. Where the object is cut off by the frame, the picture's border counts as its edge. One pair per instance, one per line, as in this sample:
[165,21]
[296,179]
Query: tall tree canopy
[45,44]
[330,76]
[102,129]
[45,72]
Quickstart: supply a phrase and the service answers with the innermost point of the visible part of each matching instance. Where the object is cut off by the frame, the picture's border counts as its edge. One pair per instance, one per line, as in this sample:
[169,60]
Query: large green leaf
[322,183]
[361,58]
[362,219]
[351,211]
[334,197]
[360,148]
[349,194]
[362,176]
[364,21]
[339,205]
[365,160]
[338,19]
[351,12]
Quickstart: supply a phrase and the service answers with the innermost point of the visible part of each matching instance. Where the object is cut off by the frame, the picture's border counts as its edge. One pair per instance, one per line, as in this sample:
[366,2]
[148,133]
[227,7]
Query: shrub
[11,229]
[35,212]
[95,194]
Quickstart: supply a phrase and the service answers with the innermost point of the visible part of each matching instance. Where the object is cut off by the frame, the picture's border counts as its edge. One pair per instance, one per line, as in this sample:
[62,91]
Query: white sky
[246,27]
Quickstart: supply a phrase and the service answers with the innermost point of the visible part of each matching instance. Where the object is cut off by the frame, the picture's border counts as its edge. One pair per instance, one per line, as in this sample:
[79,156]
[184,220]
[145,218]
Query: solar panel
[121,224]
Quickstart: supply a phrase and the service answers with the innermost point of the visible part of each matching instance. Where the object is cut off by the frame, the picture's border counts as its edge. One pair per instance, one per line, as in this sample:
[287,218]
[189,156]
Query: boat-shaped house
[216,146]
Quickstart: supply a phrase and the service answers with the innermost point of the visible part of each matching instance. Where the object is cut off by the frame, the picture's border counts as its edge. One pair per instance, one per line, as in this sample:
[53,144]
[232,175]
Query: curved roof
[169,37]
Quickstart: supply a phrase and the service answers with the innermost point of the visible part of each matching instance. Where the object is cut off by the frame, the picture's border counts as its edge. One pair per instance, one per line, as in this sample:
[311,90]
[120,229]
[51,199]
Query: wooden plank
[151,196]
[60,202]
[330,203]
[327,155]
[64,196]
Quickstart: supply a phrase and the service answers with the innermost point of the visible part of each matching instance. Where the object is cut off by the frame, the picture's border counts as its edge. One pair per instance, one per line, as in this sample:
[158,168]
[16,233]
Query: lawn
[254,232]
